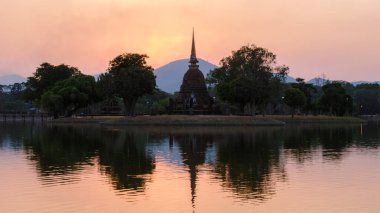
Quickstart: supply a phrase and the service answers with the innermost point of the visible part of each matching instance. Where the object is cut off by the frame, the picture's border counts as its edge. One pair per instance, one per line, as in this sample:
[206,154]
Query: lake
[296,168]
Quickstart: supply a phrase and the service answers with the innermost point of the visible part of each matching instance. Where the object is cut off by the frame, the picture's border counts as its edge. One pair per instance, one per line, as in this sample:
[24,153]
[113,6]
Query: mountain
[11,79]
[355,83]
[169,77]
[96,76]
[318,81]
[360,82]
[290,79]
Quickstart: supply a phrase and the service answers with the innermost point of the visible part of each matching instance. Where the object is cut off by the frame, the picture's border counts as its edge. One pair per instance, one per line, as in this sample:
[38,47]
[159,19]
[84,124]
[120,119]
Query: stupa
[193,97]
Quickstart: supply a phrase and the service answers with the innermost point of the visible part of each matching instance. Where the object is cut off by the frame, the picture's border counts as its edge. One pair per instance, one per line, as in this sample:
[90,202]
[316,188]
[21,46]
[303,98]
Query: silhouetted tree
[247,76]
[69,95]
[294,98]
[155,103]
[11,98]
[367,99]
[335,99]
[310,92]
[128,77]
[44,79]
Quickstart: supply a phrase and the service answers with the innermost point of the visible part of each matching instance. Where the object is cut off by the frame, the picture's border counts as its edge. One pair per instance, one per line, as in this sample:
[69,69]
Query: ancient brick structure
[193,97]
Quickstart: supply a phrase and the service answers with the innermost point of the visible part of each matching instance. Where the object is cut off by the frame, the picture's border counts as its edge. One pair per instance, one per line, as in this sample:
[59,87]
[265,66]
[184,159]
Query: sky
[337,38]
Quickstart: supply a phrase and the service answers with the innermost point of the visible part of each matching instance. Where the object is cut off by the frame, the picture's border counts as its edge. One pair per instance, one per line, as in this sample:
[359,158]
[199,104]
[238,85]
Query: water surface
[312,168]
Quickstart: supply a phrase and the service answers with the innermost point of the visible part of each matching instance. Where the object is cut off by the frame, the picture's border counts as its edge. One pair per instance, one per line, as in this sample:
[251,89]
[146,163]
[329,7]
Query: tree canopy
[69,95]
[45,77]
[309,90]
[294,98]
[11,98]
[128,77]
[248,76]
[335,99]
[367,99]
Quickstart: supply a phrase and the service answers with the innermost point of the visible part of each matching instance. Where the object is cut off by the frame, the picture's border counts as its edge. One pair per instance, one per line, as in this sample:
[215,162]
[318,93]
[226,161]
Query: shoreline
[207,120]
[319,119]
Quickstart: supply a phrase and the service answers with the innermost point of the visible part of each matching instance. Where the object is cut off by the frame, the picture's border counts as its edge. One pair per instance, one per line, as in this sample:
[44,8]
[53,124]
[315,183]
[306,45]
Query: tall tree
[247,76]
[367,99]
[129,77]
[69,95]
[335,99]
[294,98]
[310,92]
[45,77]
[11,98]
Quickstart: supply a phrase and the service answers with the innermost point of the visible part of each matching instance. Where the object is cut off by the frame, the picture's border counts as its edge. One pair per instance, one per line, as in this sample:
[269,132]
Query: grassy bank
[320,119]
[175,120]
[207,120]
[370,118]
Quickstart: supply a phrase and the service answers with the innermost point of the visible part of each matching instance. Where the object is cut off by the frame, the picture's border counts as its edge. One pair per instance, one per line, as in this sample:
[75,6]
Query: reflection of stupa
[193,94]
[193,149]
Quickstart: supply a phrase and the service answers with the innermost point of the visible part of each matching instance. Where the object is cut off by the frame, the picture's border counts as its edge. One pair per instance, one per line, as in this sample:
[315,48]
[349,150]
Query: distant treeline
[12,99]
[247,82]
[251,80]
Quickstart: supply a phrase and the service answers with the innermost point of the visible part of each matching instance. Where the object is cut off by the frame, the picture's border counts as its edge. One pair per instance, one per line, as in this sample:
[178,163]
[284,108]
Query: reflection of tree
[248,161]
[249,164]
[333,140]
[300,143]
[60,150]
[124,158]
[369,135]
[12,135]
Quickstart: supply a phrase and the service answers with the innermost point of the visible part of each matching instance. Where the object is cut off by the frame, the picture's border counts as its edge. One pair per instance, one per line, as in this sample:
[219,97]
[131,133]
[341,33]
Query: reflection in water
[333,140]
[193,150]
[370,135]
[124,158]
[60,153]
[11,136]
[248,163]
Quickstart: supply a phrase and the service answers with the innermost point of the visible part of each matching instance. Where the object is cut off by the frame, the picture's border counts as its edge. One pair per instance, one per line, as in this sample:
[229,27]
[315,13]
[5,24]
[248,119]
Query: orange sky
[339,38]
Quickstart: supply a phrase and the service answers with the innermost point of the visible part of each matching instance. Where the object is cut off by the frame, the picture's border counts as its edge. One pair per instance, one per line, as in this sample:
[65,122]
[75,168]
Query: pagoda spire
[193,56]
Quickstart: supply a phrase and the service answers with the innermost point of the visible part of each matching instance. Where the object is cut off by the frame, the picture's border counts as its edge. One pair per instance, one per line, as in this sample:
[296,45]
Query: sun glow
[323,37]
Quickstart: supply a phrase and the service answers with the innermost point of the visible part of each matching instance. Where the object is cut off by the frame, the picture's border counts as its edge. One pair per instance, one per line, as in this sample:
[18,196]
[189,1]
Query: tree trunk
[126,106]
[242,105]
[253,108]
[71,112]
[129,105]
[264,110]
[134,101]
